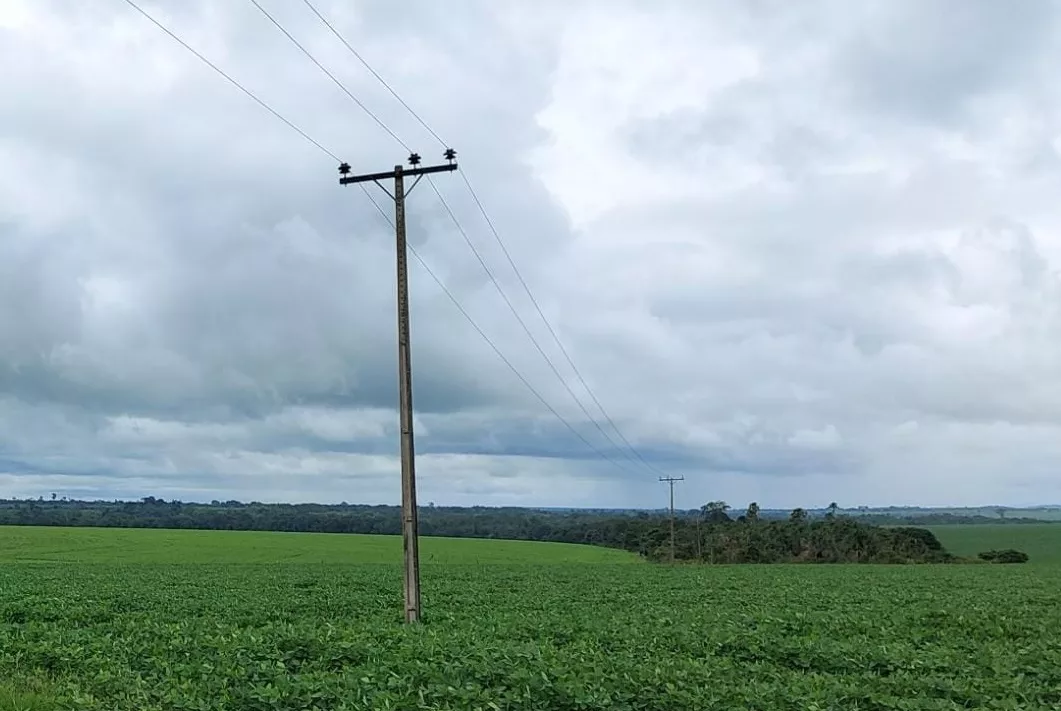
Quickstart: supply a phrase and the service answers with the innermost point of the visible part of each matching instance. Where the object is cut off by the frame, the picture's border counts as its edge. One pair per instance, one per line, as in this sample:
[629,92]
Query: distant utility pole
[670,480]
[410,525]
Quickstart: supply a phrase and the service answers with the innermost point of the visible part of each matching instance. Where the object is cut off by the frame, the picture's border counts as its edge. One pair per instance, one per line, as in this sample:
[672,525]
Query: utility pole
[410,523]
[671,480]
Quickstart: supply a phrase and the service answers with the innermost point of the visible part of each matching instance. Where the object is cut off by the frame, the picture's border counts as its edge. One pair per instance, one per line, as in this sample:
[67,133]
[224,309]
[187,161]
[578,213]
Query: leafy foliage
[283,636]
[1008,555]
[834,539]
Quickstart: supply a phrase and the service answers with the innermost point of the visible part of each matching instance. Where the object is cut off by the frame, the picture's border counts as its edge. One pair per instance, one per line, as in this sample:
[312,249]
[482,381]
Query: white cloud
[642,64]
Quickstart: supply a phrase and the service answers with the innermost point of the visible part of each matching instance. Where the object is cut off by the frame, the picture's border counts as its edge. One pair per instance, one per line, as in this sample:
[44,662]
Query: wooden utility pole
[670,480]
[410,523]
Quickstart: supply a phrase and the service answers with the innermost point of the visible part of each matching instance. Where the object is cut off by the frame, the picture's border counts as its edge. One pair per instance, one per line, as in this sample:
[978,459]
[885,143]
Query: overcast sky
[801,252]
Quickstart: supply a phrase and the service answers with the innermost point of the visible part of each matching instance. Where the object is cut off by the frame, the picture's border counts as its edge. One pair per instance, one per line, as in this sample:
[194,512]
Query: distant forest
[710,534]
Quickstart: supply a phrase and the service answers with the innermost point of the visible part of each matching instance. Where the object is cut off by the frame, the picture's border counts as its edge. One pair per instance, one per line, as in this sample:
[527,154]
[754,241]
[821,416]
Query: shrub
[1008,555]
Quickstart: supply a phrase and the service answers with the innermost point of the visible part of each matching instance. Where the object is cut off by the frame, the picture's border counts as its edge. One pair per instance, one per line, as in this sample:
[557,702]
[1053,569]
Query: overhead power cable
[386,218]
[526,383]
[331,76]
[232,81]
[498,239]
[374,72]
[519,319]
[460,228]
[549,326]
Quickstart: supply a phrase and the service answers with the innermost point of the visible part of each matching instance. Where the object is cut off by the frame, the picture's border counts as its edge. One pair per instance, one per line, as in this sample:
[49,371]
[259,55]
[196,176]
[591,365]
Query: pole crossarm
[388,174]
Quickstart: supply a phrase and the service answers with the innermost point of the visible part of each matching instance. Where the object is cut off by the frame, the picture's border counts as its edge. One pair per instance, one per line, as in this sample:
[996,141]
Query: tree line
[944,519]
[716,537]
[710,534]
[598,527]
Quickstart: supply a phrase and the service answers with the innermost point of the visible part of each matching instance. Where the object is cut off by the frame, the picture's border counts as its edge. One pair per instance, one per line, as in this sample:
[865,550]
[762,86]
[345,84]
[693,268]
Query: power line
[515,312]
[549,326]
[463,233]
[232,81]
[379,209]
[374,72]
[504,249]
[478,256]
[331,76]
[489,341]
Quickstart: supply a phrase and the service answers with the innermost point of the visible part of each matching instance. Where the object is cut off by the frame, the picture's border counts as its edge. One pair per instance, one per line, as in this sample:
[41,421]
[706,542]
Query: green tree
[715,511]
[752,514]
[798,515]
[830,511]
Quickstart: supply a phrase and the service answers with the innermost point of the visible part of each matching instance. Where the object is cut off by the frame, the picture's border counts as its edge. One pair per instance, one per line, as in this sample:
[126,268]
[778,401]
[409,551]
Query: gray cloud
[798,251]
[929,61]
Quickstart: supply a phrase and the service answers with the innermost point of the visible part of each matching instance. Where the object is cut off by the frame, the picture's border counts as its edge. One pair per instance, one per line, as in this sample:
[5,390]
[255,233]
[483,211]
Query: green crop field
[123,620]
[1039,514]
[1041,541]
[131,545]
